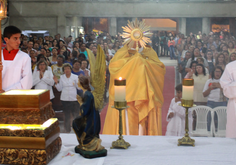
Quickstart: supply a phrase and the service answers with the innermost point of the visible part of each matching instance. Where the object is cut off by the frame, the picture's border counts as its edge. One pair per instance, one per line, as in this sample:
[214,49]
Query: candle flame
[0,11]
[120,78]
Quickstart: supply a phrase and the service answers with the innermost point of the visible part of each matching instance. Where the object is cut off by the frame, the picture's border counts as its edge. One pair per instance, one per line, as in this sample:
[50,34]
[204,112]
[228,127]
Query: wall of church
[53,14]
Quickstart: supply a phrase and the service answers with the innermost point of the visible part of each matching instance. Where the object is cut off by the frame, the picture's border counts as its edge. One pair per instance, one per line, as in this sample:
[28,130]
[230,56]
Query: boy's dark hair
[178,87]
[10,30]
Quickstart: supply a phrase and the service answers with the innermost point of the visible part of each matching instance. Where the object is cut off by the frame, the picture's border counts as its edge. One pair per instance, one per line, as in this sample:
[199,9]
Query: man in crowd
[30,47]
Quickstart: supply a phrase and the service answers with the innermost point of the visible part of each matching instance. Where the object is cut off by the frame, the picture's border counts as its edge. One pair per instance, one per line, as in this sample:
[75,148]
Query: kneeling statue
[87,126]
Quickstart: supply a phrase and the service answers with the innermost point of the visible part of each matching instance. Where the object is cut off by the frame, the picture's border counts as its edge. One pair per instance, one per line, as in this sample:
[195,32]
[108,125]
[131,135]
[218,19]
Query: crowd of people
[203,58]
[58,62]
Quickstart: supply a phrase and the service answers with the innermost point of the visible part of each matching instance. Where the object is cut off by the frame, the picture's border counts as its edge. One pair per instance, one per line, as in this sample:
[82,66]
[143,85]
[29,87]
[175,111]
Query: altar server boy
[16,65]
[176,115]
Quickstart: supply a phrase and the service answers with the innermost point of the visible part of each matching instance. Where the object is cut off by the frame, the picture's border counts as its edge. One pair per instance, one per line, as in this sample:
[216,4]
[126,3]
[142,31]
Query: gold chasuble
[144,74]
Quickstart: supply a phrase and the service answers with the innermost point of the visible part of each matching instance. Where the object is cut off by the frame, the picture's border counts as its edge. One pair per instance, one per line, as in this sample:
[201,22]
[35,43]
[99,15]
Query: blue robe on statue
[87,126]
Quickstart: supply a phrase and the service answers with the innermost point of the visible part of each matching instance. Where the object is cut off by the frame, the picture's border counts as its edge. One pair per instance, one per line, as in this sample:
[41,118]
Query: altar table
[152,150]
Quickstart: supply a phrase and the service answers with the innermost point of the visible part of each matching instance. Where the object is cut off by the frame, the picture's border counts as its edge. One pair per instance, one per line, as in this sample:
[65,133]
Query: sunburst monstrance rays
[136,31]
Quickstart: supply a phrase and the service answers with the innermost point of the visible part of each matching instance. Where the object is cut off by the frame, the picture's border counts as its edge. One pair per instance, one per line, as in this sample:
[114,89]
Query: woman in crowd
[226,54]
[68,57]
[44,52]
[213,91]
[76,68]
[76,50]
[181,49]
[214,51]
[200,77]
[220,61]
[225,47]
[53,58]
[190,71]
[231,48]
[62,50]
[186,49]
[188,40]
[196,54]
[48,53]
[199,45]
[41,57]
[214,94]
[74,55]
[193,42]
[200,60]
[33,56]
[61,44]
[68,84]
[43,78]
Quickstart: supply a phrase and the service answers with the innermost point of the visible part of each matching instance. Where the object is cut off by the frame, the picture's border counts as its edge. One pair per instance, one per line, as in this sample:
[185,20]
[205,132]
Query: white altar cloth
[152,150]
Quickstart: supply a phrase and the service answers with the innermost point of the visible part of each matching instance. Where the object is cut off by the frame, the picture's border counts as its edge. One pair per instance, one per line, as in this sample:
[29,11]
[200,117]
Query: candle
[187,93]
[120,89]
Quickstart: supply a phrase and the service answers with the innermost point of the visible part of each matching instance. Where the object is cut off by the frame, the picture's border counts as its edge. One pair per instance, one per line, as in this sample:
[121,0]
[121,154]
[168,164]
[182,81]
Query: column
[182,25]
[61,25]
[113,26]
[75,24]
[206,25]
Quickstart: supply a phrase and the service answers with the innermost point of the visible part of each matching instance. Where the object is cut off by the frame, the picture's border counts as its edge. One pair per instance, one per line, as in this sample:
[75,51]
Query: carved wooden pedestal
[28,133]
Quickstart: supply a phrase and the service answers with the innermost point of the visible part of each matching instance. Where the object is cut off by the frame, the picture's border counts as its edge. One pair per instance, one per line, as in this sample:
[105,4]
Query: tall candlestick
[187,93]
[120,89]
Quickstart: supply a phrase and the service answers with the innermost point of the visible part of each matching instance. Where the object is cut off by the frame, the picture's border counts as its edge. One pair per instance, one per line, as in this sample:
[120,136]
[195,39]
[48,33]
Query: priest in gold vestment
[144,74]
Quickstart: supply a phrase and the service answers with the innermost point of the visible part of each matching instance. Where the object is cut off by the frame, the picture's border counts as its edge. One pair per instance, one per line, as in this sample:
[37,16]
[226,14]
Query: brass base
[186,103]
[186,141]
[120,105]
[120,143]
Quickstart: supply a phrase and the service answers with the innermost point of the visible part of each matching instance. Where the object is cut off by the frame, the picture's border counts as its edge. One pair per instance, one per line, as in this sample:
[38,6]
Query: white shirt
[215,94]
[44,83]
[68,87]
[17,74]
[228,83]
[176,124]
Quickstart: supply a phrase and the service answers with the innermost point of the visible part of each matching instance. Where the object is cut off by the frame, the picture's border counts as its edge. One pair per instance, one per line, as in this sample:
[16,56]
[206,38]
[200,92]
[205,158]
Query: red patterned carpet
[168,92]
